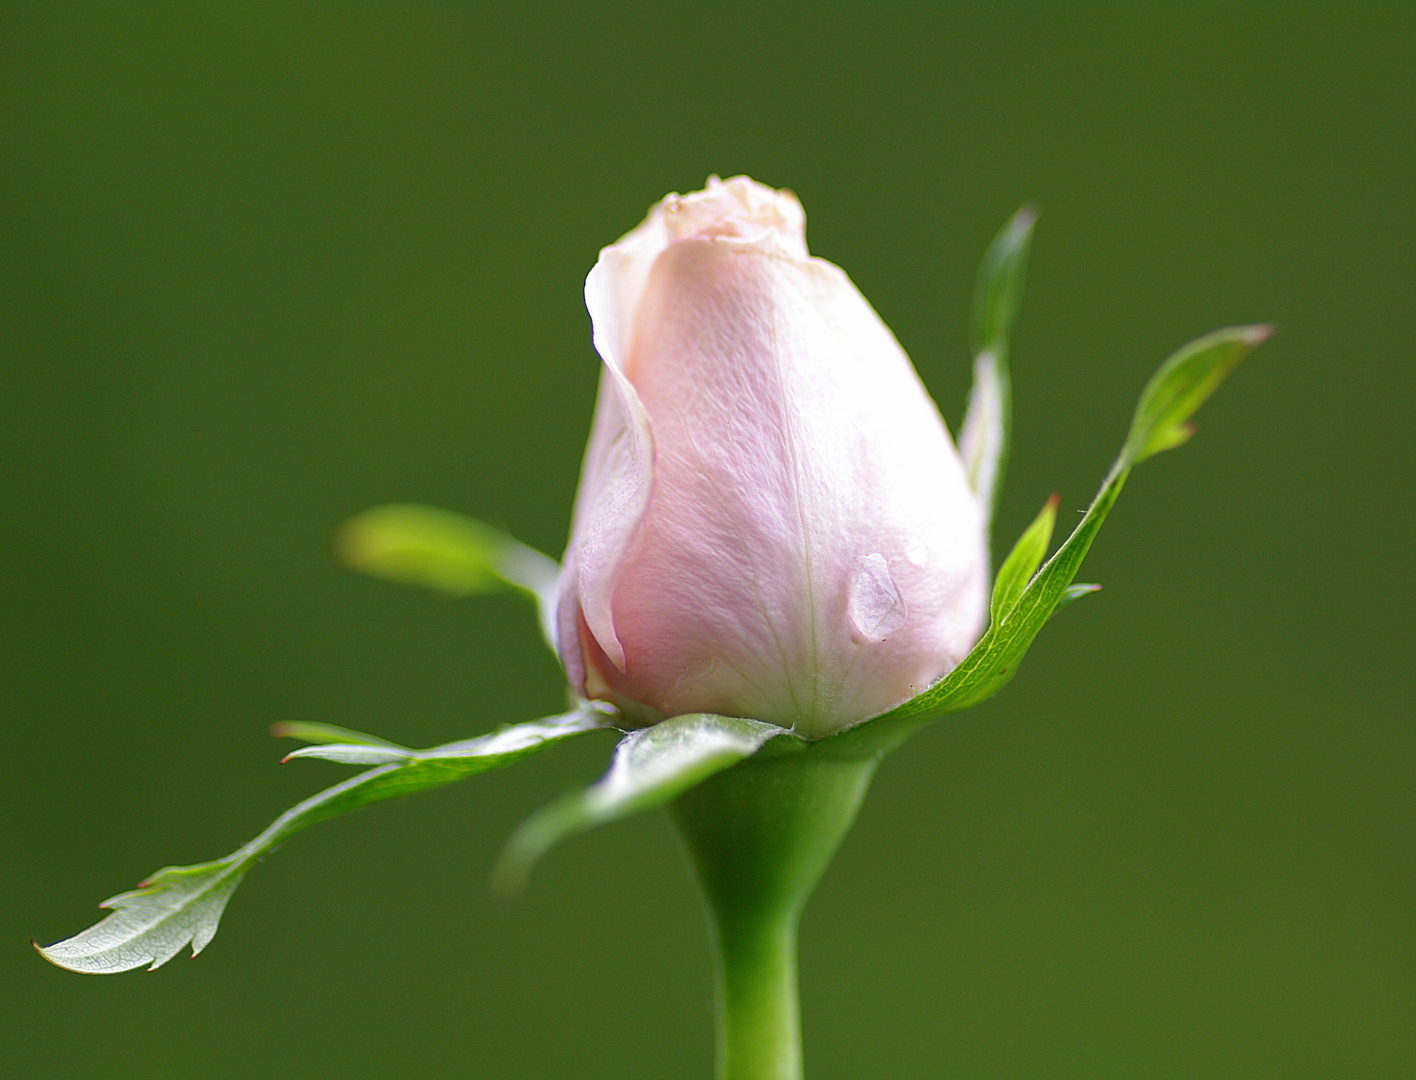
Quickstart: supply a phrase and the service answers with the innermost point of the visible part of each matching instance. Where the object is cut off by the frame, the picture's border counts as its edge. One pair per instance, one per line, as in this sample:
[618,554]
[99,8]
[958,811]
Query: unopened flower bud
[772,520]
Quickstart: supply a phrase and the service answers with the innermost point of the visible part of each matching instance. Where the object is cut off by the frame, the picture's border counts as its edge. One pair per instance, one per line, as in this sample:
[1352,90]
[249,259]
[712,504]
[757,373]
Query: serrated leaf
[1022,562]
[1169,399]
[449,552]
[987,427]
[182,904]
[650,767]
[152,924]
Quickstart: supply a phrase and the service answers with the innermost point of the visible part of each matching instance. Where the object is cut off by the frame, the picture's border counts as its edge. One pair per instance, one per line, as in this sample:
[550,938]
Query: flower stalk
[760,835]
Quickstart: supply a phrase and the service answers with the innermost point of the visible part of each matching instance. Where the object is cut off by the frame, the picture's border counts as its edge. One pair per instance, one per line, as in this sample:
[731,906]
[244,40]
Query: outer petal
[811,553]
[617,472]
[615,479]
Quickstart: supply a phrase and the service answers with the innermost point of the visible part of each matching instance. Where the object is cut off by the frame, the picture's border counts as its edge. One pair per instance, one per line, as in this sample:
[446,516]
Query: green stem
[759,1017]
[760,834]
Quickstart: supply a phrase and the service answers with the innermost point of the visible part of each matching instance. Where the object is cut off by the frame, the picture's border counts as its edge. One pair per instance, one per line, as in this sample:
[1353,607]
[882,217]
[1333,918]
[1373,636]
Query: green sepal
[650,766]
[1161,422]
[448,552]
[1022,562]
[1074,592]
[987,428]
[327,733]
[999,287]
[183,904]
[1181,386]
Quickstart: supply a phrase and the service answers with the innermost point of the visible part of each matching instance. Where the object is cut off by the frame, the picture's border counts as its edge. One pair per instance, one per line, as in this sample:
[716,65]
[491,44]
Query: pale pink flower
[772,521]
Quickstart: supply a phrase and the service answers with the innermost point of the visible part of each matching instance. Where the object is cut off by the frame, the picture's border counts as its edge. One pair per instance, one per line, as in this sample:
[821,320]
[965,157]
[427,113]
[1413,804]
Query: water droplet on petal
[917,553]
[874,604]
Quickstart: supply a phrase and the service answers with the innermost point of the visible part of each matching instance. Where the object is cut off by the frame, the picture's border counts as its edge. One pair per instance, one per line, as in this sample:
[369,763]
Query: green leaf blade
[1073,593]
[349,754]
[177,906]
[994,660]
[424,545]
[1166,404]
[450,553]
[326,734]
[986,431]
[420,770]
[1181,385]
[181,905]
[1022,562]
[651,766]
[999,287]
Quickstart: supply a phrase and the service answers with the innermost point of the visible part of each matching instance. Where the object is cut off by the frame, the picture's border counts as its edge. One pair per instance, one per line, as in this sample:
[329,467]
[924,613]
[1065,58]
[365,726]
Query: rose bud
[772,520]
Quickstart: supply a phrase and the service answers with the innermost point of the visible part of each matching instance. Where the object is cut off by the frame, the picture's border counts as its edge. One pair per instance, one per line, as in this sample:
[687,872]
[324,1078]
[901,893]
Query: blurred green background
[265,266]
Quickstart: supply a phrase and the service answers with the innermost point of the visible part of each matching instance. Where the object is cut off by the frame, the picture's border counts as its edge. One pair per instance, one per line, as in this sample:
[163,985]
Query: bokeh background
[267,265]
